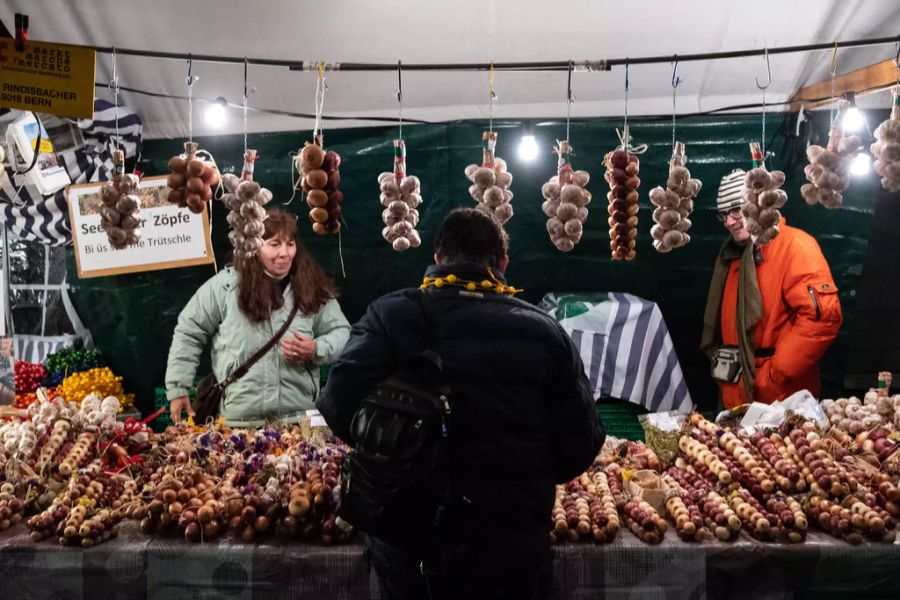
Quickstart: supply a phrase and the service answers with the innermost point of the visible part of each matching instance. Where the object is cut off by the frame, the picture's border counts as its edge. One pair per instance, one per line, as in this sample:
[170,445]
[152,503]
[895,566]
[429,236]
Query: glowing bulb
[528,148]
[861,165]
[853,119]
[216,116]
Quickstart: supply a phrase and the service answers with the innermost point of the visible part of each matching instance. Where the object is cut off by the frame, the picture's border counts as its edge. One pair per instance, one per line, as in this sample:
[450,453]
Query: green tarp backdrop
[131,317]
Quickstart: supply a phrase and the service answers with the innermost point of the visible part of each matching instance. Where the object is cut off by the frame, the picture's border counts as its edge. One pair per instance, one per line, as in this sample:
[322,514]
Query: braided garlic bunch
[622,169]
[565,201]
[674,205]
[245,199]
[120,215]
[400,196]
[491,181]
[886,148]
[828,171]
[763,197]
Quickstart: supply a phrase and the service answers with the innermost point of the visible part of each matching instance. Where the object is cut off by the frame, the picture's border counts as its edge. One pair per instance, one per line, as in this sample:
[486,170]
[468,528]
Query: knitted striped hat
[731,190]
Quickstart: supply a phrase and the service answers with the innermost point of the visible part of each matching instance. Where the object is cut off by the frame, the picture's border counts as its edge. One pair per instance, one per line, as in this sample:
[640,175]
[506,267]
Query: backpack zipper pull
[446,404]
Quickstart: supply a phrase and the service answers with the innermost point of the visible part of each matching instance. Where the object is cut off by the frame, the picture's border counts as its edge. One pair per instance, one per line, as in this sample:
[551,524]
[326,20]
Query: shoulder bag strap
[242,370]
[427,363]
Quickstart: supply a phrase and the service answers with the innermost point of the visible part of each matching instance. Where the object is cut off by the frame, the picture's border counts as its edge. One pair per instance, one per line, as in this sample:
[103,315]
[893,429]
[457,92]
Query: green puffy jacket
[273,387]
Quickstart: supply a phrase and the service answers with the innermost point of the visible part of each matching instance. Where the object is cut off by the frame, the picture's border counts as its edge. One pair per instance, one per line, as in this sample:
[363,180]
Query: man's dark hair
[469,235]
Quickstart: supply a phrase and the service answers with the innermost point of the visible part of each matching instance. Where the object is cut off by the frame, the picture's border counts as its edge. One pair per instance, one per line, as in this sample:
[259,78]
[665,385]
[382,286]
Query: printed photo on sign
[151,197]
[170,236]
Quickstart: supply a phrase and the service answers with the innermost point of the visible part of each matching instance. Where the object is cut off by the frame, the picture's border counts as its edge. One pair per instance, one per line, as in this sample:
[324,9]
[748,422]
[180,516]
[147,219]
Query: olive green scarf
[749,308]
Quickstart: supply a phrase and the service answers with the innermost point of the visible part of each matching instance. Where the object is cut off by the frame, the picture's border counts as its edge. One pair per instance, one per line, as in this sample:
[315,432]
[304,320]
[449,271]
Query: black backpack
[396,483]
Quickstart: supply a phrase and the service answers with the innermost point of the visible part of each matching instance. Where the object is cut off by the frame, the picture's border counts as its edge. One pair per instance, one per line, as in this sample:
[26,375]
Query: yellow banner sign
[47,78]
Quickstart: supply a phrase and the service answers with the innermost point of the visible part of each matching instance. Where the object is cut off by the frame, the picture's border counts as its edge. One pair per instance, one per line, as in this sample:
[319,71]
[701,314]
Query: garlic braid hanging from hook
[245,198]
[120,215]
[886,148]
[401,194]
[319,171]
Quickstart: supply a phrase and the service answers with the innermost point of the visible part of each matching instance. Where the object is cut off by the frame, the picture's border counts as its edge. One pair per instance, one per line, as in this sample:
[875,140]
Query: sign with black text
[171,236]
[47,78]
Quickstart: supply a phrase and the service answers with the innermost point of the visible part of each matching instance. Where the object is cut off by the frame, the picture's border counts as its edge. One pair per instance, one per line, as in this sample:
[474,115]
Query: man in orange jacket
[798,312]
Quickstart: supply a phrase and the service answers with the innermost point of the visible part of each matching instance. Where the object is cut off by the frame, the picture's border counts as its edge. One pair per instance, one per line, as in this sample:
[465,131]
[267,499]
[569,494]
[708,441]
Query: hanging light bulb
[853,118]
[861,165]
[528,147]
[216,116]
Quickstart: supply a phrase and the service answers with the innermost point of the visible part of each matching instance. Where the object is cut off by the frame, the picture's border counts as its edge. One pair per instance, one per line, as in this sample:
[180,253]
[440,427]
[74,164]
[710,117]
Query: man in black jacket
[523,415]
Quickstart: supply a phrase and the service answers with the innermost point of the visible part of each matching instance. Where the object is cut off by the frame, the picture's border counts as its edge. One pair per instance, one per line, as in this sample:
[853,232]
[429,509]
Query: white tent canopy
[462,31]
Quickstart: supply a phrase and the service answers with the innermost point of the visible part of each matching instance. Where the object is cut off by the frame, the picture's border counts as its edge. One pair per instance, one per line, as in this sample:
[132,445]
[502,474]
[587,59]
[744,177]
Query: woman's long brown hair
[259,294]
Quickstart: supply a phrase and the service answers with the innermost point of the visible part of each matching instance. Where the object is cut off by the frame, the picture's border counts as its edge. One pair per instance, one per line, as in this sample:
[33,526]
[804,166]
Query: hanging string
[764,88]
[625,143]
[896,62]
[316,101]
[320,100]
[625,126]
[400,95]
[895,93]
[833,71]
[114,88]
[191,80]
[675,81]
[319,108]
[569,98]
[322,95]
[321,88]
[245,105]
[624,135]
[136,169]
[341,252]
[296,184]
[206,156]
[319,103]
[764,126]
[492,97]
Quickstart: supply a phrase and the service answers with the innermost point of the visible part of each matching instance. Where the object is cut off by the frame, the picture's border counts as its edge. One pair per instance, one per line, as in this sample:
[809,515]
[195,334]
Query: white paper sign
[171,236]
[315,418]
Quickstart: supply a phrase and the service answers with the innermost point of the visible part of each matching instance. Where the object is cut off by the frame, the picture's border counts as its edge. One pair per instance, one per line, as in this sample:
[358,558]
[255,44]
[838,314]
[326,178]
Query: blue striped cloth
[30,215]
[626,348]
[34,348]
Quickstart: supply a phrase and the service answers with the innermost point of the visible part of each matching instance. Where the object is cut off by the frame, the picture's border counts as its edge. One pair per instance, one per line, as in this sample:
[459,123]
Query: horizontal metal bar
[561,65]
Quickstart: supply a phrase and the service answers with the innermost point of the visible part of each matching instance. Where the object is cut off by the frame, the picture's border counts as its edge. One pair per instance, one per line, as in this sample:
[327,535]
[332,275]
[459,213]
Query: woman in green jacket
[240,309]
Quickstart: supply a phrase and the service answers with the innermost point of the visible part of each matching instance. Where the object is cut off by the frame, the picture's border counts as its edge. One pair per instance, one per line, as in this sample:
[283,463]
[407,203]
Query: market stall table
[136,566]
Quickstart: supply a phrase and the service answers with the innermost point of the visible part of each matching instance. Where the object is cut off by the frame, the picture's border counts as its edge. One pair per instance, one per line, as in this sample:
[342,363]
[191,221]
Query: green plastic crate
[164,420]
[621,418]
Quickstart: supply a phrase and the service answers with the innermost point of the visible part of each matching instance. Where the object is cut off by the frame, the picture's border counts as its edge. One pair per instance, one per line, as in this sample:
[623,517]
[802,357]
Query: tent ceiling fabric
[459,31]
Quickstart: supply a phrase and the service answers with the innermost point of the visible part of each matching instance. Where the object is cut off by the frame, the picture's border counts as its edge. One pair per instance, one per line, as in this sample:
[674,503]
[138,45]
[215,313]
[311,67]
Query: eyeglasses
[734,213]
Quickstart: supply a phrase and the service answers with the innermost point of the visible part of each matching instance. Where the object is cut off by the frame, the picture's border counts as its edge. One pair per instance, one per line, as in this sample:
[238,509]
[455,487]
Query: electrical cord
[37,147]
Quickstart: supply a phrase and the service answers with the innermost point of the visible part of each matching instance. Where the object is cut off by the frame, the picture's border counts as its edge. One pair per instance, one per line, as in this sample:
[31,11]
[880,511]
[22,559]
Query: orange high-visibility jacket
[801,316]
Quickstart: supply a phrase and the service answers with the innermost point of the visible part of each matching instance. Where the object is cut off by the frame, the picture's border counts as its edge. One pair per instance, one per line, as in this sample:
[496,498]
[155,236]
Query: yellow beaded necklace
[495,286]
